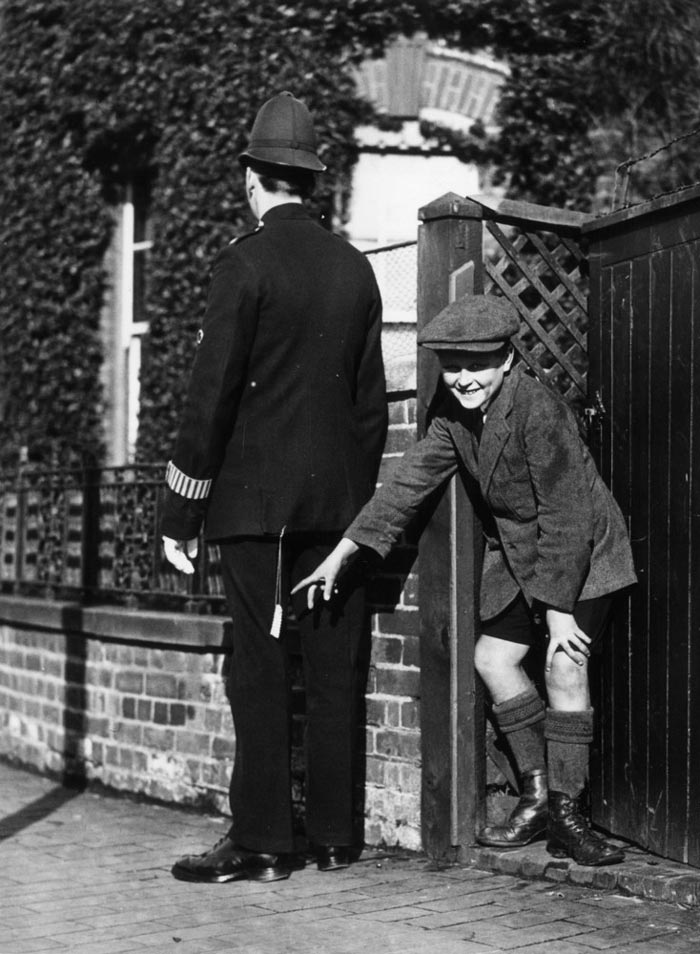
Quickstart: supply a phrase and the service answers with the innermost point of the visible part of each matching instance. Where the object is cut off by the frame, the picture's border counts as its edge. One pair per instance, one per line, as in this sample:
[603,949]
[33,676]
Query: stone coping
[641,874]
[163,628]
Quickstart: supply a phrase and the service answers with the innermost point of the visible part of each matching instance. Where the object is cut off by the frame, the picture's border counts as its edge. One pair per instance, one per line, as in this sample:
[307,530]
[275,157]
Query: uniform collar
[287,210]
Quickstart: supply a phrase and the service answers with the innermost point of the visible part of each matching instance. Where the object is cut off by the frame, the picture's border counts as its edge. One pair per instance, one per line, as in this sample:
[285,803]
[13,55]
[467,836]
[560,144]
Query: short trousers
[520,623]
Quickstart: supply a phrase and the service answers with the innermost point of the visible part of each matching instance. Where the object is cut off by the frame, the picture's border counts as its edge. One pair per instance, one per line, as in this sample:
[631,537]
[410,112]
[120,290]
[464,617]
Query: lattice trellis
[544,275]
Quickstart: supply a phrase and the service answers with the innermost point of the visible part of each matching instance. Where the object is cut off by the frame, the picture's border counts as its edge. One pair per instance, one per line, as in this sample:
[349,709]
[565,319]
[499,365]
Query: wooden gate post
[452,718]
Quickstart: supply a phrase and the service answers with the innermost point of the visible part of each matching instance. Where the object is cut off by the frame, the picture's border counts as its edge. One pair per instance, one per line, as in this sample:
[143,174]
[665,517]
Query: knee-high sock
[569,736]
[521,720]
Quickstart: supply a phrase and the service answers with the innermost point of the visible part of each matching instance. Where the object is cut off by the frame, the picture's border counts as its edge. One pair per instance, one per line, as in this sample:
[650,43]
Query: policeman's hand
[565,634]
[180,553]
[324,577]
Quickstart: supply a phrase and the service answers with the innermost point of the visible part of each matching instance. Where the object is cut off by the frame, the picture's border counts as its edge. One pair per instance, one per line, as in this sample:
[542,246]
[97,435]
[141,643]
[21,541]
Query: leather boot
[569,834]
[527,821]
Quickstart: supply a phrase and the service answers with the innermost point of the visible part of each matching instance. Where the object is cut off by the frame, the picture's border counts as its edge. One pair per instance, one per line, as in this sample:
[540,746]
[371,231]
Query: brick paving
[87,873]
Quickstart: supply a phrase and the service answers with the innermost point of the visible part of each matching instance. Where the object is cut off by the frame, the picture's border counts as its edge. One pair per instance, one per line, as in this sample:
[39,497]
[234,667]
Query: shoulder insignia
[246,235]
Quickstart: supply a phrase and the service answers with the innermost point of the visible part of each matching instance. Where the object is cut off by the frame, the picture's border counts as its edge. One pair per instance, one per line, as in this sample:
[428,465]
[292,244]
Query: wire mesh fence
[396,270]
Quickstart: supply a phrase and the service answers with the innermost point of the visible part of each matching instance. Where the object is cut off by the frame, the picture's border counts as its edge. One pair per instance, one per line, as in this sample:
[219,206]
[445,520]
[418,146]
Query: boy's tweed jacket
[552,527]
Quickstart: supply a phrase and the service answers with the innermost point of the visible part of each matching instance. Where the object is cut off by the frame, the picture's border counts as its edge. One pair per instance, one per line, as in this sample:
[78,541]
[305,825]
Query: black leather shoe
[332,857]
[569,835]
[527,821]
[226,861]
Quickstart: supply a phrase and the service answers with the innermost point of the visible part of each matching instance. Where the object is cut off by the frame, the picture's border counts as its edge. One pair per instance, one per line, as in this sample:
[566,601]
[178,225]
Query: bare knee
[499,664]
[567,683]
[485,661]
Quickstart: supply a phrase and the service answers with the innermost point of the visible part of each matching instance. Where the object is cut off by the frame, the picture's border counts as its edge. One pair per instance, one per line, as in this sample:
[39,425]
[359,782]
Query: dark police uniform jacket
[285,415]
[553,530]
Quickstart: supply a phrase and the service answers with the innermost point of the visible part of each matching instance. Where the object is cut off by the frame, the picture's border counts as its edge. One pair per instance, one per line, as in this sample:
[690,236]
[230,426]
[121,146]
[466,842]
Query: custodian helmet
[283,135]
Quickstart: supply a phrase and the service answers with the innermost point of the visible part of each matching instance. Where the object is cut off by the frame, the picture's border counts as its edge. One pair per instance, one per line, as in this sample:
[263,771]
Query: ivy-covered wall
[95,92]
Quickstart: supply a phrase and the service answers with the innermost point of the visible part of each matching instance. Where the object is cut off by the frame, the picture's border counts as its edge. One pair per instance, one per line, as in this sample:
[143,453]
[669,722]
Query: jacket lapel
[465,444]
[496,431]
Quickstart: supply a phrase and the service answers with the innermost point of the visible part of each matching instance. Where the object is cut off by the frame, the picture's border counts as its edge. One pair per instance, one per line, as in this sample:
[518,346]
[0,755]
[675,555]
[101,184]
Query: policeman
[278,448]
[556,548]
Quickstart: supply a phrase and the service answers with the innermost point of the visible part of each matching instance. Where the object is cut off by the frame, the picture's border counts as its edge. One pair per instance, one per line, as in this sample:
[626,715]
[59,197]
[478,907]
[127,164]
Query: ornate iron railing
[93,535]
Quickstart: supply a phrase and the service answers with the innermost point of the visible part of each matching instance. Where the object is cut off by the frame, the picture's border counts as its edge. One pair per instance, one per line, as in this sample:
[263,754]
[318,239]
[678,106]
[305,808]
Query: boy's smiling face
[474,378]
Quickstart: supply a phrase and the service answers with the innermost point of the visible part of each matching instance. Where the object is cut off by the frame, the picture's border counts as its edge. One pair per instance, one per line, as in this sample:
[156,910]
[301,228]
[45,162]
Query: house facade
[399,170]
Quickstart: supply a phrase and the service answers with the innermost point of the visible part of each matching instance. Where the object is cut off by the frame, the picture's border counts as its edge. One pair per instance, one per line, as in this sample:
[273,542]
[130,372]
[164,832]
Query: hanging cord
[622,172]
[276,627]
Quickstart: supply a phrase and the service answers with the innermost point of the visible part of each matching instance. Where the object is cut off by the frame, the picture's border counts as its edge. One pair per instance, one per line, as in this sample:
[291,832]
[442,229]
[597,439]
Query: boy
[556,548]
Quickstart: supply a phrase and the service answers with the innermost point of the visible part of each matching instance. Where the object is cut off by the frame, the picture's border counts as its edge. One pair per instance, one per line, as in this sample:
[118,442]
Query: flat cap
[472,323]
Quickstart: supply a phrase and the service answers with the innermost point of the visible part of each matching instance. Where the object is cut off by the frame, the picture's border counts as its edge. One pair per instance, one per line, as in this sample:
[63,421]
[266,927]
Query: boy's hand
[324,577]
[565,634]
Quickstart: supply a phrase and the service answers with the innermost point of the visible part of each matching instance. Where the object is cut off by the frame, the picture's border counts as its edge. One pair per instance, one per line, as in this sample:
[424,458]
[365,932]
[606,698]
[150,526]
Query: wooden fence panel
[645,362]
[680,436]
[634,501]
[693,544]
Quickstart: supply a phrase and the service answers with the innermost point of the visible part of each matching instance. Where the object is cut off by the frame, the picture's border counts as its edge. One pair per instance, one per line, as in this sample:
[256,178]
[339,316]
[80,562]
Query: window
[125,321]
[137,243]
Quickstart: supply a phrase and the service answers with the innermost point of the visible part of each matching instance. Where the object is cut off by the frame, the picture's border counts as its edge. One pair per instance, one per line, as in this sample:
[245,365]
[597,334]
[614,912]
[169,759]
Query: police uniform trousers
[259,690]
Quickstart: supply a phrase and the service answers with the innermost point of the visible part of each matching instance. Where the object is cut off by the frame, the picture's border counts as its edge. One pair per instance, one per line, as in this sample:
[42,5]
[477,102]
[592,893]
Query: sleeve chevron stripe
[188,487]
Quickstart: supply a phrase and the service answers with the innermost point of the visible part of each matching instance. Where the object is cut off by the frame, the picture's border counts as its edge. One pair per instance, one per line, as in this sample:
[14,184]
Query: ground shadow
[38,810]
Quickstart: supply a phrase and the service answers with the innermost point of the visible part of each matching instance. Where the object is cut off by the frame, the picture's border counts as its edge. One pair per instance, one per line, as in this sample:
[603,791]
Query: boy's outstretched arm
[327,572]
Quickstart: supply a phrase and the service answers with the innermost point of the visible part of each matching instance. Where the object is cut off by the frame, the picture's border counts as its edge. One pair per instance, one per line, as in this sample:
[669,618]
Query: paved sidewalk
[90,874]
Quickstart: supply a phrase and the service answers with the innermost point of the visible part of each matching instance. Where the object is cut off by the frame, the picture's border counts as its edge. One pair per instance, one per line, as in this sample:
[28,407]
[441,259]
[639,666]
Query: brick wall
[393,692]
[135,699]
[148,719]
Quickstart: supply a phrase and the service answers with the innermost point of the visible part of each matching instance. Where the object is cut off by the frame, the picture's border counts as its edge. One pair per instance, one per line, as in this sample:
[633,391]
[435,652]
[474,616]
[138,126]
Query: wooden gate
[645,379]
[532,256]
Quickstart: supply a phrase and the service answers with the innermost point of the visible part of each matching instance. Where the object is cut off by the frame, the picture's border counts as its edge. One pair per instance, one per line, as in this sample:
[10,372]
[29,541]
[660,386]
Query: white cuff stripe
[188,487]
